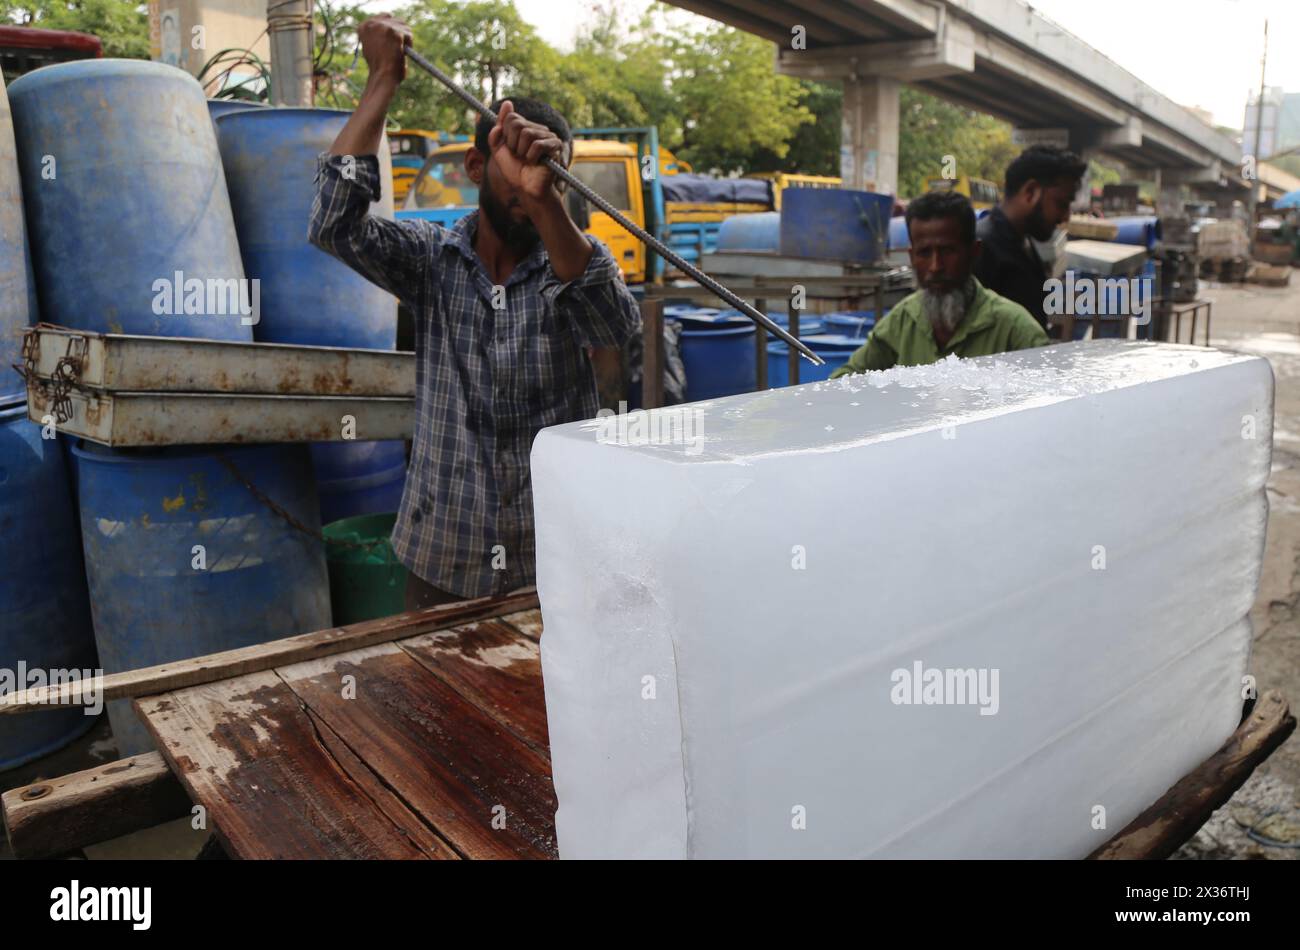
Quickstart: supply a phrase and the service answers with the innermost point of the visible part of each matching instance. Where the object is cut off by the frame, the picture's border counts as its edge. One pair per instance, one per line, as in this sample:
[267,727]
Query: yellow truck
[442,192]
[620,171]
[983,194]
[670,164]
[409,149]
[782,180]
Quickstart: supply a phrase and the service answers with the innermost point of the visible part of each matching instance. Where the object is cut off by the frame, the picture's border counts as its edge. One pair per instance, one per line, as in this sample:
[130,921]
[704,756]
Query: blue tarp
[751,232]
[702,189]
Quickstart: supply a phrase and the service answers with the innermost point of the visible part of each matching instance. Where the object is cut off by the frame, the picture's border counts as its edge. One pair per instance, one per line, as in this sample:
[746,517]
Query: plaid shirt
[486,381]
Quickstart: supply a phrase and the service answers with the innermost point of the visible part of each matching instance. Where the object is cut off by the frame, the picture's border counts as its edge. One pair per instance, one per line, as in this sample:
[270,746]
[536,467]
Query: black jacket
[1009,265]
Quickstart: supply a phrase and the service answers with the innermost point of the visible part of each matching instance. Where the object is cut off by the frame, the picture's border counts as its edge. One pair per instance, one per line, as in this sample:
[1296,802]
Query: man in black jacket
[1040,186]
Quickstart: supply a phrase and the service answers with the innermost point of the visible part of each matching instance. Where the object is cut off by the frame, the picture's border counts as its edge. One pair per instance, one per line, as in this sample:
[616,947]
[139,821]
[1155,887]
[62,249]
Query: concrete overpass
[1274,182]
[997,56]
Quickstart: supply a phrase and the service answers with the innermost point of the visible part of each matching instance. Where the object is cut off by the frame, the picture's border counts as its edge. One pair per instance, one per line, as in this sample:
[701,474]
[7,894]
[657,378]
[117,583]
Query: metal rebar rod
[642,235]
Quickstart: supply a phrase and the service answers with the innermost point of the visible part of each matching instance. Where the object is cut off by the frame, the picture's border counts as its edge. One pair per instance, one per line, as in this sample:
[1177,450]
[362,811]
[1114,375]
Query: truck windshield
[443,183]
[607,179]
[409,144]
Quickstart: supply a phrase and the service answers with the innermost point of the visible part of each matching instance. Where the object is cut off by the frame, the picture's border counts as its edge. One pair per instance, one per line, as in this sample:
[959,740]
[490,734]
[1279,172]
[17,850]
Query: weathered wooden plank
[496,668]
[264,656]
[485,790]
[275,780]
[527,622]
[64,814]
[1160,830]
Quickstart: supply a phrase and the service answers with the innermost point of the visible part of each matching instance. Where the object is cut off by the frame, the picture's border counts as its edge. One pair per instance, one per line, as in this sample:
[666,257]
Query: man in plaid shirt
[508,305]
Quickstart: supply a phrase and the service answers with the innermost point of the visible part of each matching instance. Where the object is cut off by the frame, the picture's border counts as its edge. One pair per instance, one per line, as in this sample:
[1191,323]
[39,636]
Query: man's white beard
[944,310]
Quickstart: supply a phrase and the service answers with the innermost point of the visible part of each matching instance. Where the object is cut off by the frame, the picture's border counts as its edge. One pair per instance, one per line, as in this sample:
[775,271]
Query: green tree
[483,44]
[1100,174]
[932,130]
[338,84]
[616,75]
[734,104]
[121,25]
[713,93]
[814,149]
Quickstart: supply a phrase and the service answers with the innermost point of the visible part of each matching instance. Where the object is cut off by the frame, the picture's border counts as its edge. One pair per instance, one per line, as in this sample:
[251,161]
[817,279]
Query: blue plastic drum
[44,609]
[130,222]
[183,559]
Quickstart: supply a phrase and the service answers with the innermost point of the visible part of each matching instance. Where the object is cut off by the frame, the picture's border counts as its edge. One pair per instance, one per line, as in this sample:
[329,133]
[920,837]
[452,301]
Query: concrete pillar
[187,33]
[1083,197]
[869,135]
[288,22]
[1169,194]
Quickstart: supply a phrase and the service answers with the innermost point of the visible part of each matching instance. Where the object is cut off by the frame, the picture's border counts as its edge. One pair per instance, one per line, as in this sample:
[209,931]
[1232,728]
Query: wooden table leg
[652,354]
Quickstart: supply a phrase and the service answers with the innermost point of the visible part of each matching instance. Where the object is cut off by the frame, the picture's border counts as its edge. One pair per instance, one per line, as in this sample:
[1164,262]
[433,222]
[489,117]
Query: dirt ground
[1263,819]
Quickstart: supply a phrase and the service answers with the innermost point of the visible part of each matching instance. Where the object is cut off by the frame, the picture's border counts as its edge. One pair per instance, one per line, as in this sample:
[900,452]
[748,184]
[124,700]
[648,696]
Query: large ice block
[747,604]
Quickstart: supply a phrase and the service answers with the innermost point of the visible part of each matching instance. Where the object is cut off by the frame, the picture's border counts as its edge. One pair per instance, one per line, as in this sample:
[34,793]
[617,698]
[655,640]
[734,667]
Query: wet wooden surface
[429,747]
[496,669]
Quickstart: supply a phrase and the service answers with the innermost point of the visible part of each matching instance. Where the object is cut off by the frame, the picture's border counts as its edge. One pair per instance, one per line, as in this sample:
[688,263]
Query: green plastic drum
[365,582]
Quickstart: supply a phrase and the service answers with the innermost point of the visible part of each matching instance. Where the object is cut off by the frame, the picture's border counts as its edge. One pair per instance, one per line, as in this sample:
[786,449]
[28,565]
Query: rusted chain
[289,518]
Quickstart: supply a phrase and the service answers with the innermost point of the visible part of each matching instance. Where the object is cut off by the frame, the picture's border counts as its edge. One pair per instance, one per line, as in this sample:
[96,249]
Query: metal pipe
[1259,130]
[632,228]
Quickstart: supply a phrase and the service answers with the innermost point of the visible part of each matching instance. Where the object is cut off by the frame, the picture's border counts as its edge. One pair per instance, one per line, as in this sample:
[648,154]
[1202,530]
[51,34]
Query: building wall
[226,24]
[1267,118]
[1288,122]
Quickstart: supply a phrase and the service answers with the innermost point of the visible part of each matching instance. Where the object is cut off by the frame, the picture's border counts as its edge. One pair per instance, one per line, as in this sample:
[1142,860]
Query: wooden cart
[421,735]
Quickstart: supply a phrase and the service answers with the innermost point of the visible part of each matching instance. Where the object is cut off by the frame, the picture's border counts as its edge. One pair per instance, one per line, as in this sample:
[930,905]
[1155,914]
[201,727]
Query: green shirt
[993,324]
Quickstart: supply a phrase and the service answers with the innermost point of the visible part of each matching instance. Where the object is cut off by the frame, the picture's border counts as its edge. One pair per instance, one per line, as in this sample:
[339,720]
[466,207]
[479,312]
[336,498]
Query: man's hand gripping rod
[645,237]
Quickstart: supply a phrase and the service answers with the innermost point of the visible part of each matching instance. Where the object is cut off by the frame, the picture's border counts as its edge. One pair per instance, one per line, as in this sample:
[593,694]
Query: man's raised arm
[392,255]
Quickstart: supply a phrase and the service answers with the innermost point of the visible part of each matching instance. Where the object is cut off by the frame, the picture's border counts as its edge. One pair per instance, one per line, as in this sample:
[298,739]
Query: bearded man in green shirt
[952,312]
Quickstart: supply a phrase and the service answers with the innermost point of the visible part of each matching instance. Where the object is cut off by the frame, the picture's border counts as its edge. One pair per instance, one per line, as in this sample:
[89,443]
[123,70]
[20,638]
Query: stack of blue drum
[44,611]
[129,179]
[718,348]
